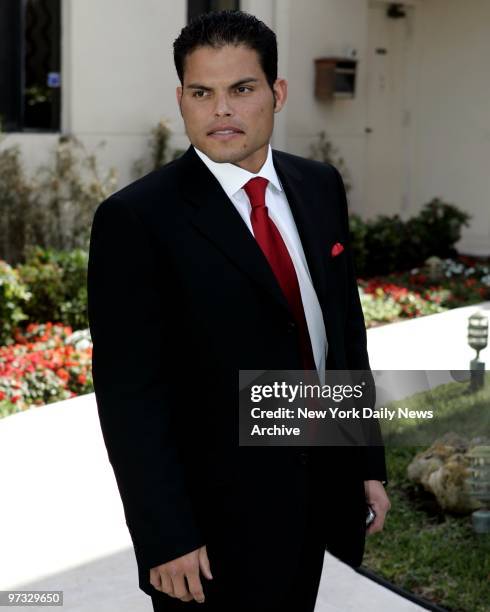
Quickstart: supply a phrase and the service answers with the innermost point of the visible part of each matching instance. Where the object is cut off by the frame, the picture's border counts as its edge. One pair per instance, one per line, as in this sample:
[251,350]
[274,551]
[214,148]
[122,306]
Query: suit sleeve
[373,454]
[129,325]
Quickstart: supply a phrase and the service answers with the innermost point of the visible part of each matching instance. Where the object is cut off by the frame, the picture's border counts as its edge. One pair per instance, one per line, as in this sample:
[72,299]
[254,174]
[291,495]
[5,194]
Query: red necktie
[277,254]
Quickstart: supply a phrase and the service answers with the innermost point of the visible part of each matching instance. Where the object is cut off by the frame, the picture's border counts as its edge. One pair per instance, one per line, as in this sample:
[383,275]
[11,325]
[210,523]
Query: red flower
[62,373]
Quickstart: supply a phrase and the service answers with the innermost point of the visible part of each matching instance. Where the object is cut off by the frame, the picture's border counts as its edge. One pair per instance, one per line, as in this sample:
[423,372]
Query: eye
[245,87]
[198,91]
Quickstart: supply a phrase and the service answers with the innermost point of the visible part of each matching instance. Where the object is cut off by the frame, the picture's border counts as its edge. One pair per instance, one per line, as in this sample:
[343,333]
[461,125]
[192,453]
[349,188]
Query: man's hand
[170,577]
[377,498]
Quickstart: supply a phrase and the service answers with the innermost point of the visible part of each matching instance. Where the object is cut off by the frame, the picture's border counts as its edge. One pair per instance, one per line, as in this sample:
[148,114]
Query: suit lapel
[306,220]
[318,231]
[216,217]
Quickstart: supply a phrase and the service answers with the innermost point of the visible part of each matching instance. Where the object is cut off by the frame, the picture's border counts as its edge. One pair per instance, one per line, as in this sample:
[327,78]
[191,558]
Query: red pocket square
[337,249]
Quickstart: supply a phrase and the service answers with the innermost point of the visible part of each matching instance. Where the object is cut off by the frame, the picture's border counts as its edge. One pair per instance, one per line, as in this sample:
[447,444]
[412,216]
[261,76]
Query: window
[197,7]
[30,60]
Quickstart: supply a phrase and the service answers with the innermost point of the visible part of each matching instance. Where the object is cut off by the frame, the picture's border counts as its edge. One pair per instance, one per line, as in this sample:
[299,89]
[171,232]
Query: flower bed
[47,363]
[410,294]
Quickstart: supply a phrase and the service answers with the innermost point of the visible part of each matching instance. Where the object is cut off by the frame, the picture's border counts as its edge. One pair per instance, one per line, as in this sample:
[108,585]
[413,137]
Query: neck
[254,162]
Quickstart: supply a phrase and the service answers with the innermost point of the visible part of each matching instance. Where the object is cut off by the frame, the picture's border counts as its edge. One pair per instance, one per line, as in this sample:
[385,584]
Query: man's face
[227,105]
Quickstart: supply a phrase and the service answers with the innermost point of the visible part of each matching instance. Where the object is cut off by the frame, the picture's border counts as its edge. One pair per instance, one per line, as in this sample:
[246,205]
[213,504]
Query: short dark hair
[219,28]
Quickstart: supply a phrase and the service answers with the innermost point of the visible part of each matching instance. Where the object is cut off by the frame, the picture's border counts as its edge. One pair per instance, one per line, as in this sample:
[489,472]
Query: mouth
[225,134]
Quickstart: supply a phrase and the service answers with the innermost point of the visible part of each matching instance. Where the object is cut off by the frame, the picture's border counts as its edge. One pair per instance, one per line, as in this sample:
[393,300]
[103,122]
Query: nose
[222,106]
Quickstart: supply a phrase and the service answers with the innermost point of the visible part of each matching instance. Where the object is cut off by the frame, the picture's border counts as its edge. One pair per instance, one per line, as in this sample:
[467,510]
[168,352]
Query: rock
[442,469]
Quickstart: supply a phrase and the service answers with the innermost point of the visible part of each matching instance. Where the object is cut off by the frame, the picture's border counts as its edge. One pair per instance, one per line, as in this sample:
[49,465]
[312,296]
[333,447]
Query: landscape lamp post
[434,268]
[479,486]
[477,339]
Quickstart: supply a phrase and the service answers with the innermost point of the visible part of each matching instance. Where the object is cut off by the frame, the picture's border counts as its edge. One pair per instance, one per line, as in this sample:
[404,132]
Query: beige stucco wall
[327,29]
[119,80]
[447,141]
[121,75]
[451,154]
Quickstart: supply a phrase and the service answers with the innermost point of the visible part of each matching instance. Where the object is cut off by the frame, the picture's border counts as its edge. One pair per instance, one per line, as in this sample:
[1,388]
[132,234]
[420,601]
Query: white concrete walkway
[434,342]
[61,520]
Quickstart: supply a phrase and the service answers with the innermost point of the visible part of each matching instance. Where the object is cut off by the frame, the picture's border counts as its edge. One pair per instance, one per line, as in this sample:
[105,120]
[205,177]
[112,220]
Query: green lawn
[421,548]
[454,407]
[425,551]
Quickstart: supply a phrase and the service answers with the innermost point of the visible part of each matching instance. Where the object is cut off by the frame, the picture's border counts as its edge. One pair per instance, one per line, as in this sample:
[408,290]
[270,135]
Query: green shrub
[387,244]
[57,281]
[17,214]
[55,207]
[384,243]
[74,307]
[14,297]
[358,230]
[45,282]
[69,190]
[158,143]
[437,228]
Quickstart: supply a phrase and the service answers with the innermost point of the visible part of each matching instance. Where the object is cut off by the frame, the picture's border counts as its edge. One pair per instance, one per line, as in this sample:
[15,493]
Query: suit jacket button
[303,458]
[291,326]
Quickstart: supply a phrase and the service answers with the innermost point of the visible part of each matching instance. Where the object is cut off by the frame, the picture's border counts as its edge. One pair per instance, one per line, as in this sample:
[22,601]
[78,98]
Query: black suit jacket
[180,297]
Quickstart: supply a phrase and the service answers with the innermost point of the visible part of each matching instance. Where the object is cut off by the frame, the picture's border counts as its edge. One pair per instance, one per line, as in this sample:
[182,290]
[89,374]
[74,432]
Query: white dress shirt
[232,178]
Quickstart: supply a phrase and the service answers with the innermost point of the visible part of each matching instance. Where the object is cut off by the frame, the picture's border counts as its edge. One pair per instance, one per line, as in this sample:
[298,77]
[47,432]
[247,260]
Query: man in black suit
[233,257]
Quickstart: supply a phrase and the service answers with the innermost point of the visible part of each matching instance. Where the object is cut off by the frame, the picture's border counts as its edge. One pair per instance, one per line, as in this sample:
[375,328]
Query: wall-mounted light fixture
[335,77]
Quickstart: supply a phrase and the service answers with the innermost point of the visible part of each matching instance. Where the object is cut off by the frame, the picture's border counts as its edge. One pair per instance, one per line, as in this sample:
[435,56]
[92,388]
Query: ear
[281,93]
[178,93]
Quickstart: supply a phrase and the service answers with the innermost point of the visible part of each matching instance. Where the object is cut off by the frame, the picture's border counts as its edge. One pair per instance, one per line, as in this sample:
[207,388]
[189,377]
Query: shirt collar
[232,177]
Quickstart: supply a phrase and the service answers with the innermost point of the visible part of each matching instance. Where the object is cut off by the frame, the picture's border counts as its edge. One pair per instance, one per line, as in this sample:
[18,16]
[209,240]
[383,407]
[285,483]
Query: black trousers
[228,590]
[299,596]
